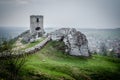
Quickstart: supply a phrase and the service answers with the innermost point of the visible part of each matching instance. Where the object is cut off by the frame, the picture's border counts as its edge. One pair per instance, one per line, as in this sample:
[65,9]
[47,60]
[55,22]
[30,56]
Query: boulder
[76,42]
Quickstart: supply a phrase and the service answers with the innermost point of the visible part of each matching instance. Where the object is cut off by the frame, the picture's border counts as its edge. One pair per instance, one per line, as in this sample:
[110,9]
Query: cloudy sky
[62,13]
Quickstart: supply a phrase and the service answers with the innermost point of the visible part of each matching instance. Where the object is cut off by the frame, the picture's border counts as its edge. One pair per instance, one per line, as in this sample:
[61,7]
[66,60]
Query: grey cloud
[75,13]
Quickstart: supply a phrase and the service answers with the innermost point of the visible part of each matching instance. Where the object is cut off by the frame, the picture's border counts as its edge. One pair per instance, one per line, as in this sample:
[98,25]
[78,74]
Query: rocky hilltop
[75,41]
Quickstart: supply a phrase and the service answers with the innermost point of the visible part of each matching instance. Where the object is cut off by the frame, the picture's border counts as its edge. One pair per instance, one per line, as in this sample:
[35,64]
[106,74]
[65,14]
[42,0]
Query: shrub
[10,63]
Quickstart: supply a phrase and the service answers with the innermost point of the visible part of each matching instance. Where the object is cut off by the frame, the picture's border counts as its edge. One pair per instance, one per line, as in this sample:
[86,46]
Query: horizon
[57,27]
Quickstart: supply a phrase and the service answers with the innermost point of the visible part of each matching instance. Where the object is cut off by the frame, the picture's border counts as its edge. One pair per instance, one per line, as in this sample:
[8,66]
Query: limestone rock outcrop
[76,42]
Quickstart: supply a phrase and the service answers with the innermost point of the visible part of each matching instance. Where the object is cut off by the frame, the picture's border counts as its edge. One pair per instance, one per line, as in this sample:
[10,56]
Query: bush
[10,65]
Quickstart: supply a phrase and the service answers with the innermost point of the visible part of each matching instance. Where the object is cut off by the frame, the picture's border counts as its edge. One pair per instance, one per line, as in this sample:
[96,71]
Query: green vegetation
[5,46]
[52,63]
[34,43]
[10,66]
[22,45]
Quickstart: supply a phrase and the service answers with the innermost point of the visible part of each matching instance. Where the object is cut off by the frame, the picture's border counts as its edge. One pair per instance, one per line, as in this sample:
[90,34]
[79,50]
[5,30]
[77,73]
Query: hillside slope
[52,63]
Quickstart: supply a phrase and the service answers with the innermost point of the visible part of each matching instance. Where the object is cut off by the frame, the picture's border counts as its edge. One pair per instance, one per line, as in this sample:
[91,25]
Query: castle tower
[36,25]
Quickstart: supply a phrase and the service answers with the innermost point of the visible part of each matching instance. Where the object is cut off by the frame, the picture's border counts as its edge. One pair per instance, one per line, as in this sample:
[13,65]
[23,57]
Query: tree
[103,49]
[10,65]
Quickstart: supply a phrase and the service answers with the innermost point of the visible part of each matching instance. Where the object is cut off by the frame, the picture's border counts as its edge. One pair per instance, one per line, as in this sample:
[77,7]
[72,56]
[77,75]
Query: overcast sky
[62,13]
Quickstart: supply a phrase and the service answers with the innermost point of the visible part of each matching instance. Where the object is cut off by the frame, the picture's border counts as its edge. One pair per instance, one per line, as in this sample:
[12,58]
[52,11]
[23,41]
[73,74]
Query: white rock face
[75,41]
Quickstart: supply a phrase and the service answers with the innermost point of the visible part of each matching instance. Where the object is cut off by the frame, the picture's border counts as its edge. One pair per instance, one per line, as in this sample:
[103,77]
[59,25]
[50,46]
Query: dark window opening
[37,28]
[37,20]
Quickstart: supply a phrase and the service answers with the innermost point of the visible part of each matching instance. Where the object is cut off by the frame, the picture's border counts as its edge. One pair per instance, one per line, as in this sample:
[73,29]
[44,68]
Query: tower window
[37,28]
[37,20]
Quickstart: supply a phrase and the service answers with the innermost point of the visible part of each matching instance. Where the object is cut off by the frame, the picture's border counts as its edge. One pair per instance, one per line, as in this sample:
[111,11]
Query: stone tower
[36,25]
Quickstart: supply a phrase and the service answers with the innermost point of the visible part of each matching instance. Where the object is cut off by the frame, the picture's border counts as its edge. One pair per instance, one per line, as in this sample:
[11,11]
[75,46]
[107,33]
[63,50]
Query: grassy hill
[52,63]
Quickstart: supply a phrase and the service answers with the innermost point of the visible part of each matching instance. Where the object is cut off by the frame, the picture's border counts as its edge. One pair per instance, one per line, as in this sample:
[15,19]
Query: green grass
[29,45]
[51,63]
[34,43]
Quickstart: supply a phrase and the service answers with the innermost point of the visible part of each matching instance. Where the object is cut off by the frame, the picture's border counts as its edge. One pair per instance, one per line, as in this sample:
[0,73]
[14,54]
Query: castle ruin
[36,25]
